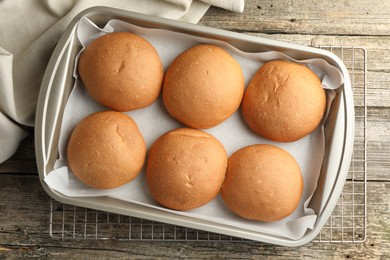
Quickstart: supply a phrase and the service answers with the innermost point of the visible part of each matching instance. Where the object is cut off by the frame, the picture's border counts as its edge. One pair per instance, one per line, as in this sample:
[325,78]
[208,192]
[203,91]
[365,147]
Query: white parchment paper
[154,121]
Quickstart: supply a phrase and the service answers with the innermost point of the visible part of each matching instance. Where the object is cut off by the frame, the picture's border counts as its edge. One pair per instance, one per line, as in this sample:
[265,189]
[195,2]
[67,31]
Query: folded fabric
[29,31]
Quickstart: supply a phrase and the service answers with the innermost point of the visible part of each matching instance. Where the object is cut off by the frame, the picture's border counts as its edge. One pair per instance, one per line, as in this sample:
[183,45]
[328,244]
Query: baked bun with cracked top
[121,71]
[263,182]
[203,86]
[185,168]
[284,101]
[106,150]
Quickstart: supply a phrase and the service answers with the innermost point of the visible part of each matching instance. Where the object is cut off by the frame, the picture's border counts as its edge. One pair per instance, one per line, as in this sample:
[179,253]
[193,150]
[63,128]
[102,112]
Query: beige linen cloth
[29,30]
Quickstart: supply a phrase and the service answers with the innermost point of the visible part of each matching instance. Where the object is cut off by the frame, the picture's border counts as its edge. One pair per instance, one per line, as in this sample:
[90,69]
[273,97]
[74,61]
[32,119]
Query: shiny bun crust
[203,86]
[263,182]
[185,168]
[121,71]
[106,150]
[284,101]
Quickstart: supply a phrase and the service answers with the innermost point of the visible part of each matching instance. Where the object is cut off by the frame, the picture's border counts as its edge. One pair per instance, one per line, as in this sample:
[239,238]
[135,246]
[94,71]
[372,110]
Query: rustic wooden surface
[24,206]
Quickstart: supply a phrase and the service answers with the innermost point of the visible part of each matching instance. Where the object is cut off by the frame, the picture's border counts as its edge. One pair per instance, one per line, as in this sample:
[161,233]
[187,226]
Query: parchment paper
[154,120]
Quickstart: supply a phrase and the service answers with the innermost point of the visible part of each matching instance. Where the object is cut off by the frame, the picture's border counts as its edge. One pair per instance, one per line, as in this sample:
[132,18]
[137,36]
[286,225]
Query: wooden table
[24,205]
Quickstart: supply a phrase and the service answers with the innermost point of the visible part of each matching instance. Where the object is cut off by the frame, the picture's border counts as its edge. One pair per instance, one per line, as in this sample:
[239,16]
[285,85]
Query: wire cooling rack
[347,223]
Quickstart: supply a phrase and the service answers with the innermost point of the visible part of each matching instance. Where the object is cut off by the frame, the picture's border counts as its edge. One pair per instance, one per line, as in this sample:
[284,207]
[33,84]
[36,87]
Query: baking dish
[58,83]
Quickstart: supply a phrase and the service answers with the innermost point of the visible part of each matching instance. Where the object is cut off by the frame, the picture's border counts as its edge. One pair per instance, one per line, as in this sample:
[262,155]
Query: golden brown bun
[106,150]
[185,168]
[263,182]
[121,71]
[203,86]
[284,101]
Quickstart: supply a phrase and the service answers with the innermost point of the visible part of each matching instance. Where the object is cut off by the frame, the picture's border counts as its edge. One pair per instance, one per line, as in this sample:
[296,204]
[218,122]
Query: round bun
[185,168]
[121,71]
[284,101]
[106,150]
[203,86]
[263,182]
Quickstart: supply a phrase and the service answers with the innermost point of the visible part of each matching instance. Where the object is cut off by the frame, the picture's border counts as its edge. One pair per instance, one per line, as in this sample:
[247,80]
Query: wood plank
[348,17]
[23,161]
[24,233]
[377,46]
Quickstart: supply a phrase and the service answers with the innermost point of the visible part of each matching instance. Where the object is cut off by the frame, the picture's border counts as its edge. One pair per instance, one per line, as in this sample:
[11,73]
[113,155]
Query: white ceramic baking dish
[58,83]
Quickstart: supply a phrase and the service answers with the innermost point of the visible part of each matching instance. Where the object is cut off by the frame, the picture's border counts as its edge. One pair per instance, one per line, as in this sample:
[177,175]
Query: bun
[106,150]
[121,71]
[284,101]
[263,182]
[185,168]
[203,86]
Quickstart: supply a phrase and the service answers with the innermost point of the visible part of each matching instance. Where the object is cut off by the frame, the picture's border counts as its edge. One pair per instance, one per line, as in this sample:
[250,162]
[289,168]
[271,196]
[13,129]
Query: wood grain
[24,232]
[358,17]
[24,205]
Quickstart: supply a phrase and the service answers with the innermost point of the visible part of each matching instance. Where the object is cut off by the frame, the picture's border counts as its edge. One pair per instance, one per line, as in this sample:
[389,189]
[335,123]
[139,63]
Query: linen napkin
[29,31]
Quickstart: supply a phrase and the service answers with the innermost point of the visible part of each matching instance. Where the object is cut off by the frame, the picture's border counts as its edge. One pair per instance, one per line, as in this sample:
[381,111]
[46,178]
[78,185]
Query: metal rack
[347,223]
